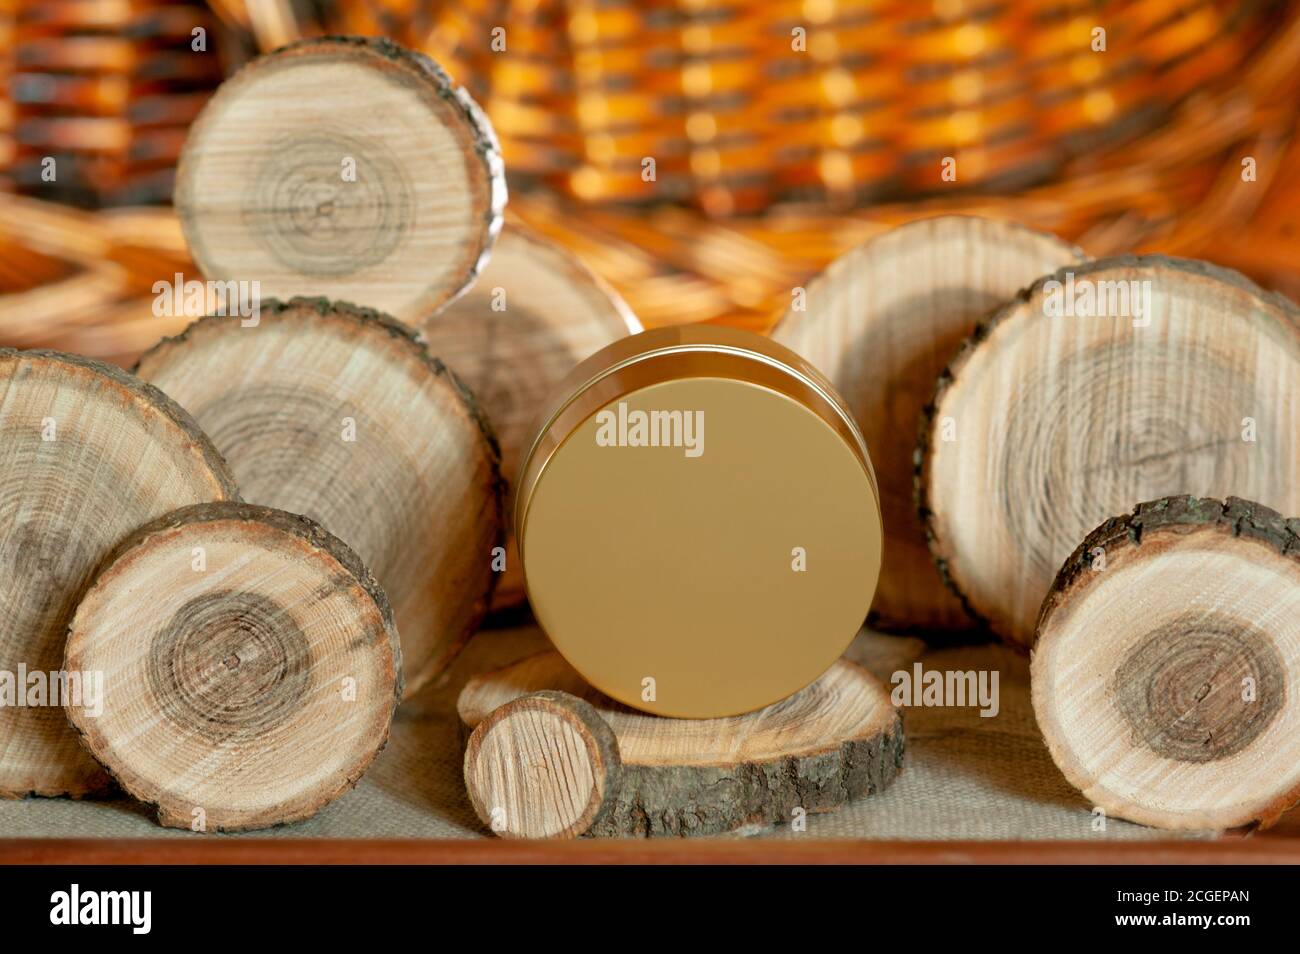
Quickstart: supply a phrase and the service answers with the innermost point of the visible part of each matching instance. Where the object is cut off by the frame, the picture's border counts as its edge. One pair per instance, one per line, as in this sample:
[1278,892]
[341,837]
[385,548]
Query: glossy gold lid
[698,522]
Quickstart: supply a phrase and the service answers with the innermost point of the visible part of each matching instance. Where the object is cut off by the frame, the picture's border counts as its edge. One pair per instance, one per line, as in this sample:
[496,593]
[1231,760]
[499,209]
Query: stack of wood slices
[1166,643]
[548,756]
[224,572]
[221,575]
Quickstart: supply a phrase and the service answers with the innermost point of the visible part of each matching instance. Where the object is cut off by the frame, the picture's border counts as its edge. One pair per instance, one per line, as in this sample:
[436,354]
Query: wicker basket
[743,102]
[99,94]
[1165,174]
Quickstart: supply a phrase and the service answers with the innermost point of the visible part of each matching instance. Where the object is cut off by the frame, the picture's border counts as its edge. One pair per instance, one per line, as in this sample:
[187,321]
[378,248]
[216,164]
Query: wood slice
[542,766]
[1059,421]
[416,490]
[344,167]
[1167,660]
[535,313]
[838,739]
[87,454]
[882,322]
[250,663]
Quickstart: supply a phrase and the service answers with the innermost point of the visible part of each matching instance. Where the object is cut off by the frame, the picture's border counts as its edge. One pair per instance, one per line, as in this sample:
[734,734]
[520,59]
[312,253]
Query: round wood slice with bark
[881,322]
[540,762]
[340,414]
[250,663]
[542,766]
[87,454]
[1167,662]
[1114,381]
[347,167]
[535,312]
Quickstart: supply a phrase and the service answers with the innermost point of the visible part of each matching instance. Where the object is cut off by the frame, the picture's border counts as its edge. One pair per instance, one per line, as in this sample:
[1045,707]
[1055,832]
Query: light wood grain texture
[839,738]
[1045,425]
[339,414]
[535,312]
[343,167]
[1167,663]
[881,322]
[251,667]
[542,766]
[87,453]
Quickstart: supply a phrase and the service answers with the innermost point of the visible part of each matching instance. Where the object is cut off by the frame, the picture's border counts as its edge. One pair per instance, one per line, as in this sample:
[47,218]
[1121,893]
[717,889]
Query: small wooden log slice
[339,414]
[535,312]
[1168,660]
[536,768]
[87,454]
[250,666]
[881,322]
[344,167]
[1119,380]
[542,766]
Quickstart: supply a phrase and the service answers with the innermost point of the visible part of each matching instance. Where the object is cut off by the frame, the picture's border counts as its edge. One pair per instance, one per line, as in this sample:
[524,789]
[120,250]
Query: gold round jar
[699,522]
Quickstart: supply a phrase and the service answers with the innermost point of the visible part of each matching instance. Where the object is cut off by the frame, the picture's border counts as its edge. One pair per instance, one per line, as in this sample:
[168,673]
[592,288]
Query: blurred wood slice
[534,314]
[537,769]
[250,667]
[87,454]
[1048,422]
[1168,651]
[343,167]
[882,322]
[339,414]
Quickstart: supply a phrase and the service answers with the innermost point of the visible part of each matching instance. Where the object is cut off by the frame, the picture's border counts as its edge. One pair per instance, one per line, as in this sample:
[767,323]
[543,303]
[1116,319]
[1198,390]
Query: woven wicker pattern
[1177,187]
[99,94]
[82,281]
[740,103]
[1218,179]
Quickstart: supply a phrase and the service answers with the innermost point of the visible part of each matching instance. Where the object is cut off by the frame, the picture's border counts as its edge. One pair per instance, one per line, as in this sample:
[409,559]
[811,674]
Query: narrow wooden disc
[541,766]
[1167,662]
[535,312]
[345,167]
[881,322]
[250,663]
[839,738]
[87,454]
[1046,424]
[337,413]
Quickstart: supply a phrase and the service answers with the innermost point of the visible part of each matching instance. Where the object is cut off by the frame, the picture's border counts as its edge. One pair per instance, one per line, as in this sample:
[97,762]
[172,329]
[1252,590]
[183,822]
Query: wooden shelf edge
[253,851]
